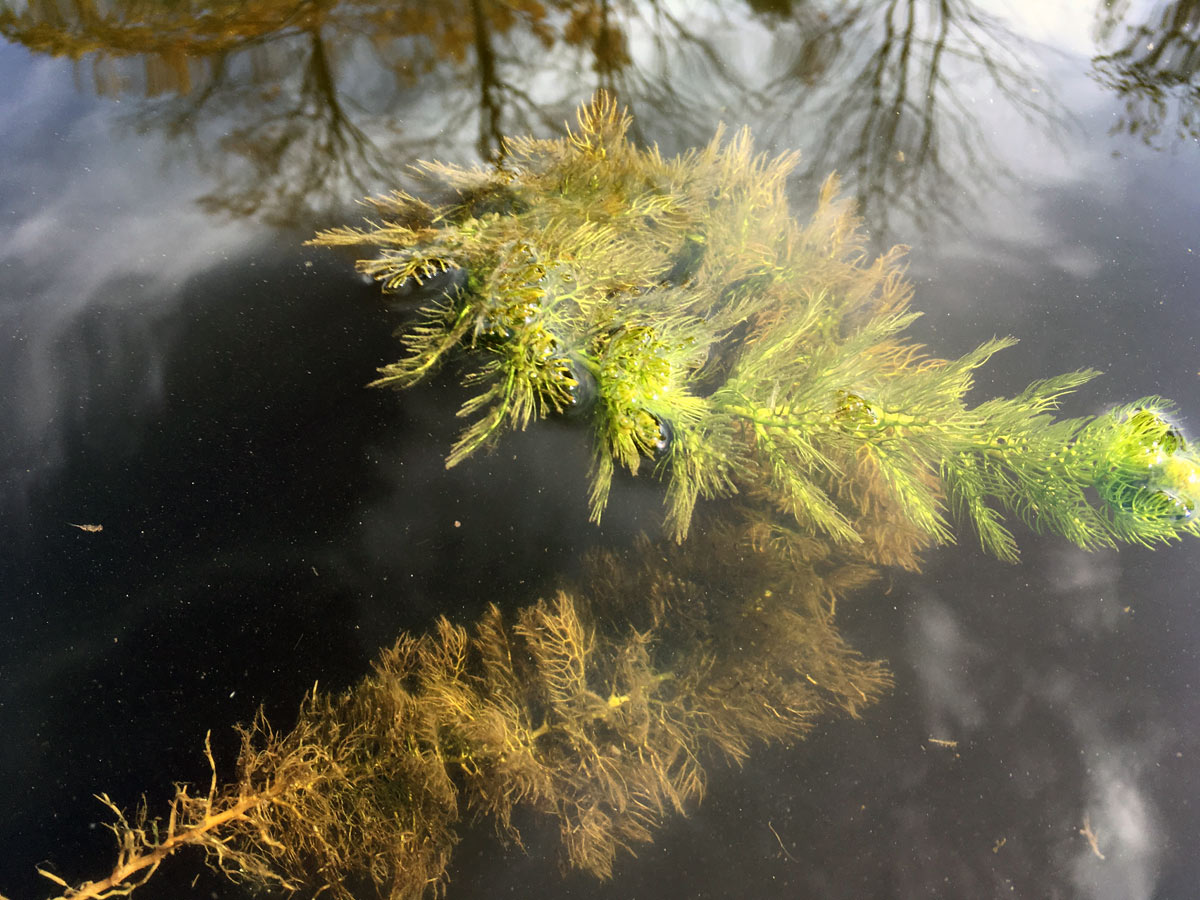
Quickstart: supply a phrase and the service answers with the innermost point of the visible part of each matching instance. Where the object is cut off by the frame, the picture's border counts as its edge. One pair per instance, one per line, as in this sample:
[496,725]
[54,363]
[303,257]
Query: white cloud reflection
[1118,809]
[95,254]
[1076,737]
[944,656]
[1119,813]
[1066,25]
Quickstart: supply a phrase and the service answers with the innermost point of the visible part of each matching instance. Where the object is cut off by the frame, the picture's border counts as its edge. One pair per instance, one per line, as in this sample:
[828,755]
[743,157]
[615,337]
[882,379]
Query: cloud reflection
[944,655]
[1032,684]
[1125,829]
[94,268]
[1115,851]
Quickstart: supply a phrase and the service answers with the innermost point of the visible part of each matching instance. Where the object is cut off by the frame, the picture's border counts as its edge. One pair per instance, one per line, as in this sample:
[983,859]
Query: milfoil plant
[714,340]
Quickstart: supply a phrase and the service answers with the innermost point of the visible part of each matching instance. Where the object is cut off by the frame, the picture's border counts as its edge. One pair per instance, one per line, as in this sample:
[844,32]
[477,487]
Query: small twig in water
[781,847]
[1087,832]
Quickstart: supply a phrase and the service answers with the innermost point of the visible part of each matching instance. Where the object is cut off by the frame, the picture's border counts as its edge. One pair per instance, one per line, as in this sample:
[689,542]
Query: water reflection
[319,102]
[294,109]
[1051,709]
[901,117]
[1154,67]
[284,162]
[89,322]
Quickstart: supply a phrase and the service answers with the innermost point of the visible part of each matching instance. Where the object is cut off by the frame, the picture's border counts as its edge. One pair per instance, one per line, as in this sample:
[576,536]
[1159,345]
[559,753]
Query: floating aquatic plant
[731,350]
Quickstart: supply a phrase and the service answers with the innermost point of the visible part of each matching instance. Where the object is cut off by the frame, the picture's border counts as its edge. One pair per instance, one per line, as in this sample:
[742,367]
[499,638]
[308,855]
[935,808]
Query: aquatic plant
[740,356]
[596,710]
[712,338]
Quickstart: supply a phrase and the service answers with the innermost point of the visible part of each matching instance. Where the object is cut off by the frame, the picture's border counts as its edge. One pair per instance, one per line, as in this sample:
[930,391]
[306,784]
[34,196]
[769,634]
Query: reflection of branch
[674,90]
[491,136]
[169,42]
[302,145]
[879,81]
[302,157]
[884,116]
[1156,69]
[876,78]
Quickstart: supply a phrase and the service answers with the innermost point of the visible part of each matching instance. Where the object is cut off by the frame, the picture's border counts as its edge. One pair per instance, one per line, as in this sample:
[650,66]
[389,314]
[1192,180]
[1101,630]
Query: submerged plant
[715,340]
[597,709]
[739,355]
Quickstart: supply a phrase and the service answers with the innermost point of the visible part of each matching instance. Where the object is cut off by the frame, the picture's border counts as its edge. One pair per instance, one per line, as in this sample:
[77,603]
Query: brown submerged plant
[599,712]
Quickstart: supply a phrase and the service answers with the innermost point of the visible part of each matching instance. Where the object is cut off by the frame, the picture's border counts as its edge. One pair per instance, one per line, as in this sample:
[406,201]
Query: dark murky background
[177,367]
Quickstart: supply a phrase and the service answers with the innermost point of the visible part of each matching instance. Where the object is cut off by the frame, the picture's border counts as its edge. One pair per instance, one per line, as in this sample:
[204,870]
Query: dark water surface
[176,366]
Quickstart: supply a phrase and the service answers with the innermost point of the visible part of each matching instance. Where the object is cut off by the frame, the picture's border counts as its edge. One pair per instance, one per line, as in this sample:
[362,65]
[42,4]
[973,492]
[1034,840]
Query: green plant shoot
[713,339]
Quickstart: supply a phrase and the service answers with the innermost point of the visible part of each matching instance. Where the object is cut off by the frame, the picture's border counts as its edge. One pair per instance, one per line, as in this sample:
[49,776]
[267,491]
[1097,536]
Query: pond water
[176,367]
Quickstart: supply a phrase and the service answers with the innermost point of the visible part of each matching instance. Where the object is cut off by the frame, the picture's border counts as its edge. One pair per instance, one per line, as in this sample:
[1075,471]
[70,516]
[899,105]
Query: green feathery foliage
[714,339]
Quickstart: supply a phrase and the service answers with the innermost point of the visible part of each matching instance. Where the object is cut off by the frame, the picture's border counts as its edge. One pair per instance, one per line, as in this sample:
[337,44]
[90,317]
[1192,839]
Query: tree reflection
[1155,69]
[294,154]
[177,44]
[319,99]
[309,95]
[900,118]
